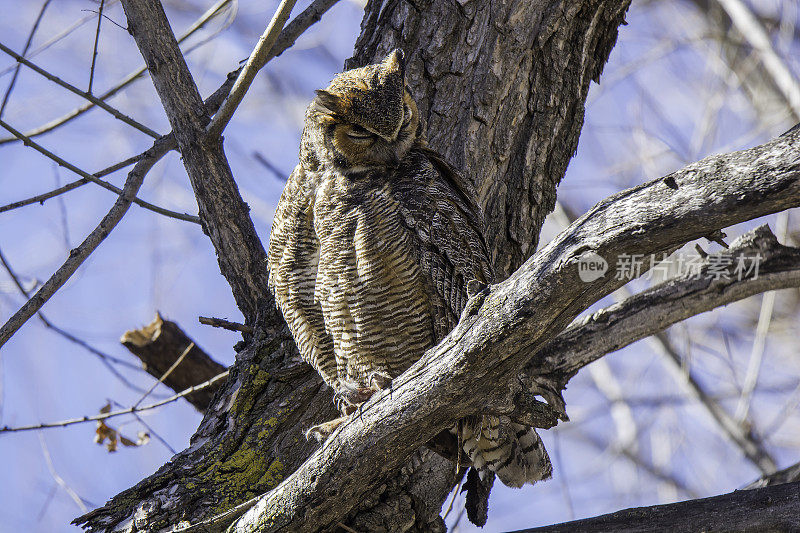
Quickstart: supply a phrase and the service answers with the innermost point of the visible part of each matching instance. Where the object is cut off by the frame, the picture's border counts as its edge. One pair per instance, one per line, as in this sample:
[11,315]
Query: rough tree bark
[773,508]
[508,82]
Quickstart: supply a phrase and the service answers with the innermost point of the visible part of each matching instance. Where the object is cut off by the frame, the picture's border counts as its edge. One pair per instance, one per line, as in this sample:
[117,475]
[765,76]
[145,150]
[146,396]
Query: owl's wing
[293,262]
[448,226]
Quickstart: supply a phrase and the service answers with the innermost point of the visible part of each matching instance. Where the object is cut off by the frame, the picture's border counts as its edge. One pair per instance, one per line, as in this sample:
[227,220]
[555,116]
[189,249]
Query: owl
[374,241]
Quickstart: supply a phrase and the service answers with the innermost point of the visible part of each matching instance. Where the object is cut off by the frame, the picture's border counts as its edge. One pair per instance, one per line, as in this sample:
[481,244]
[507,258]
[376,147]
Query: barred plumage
[374,241]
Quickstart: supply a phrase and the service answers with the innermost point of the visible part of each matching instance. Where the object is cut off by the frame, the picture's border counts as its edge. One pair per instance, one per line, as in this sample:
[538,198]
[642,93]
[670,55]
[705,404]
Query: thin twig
[55,38]
[96,101]
[62,208]
[258,58]
[96,40]
[112,21]
[760,341]
[166,374]
[224,324]
[78,255]
[155,434]
[106,185]
[58,479]
[212,12]
[111,414]
[310,16]
[456,492]
[562,478]
[266,163]
[639,461]
[40,198]
[104,358]
[230,17]
[752,30]
[46,503]
[752,447]
[24,51]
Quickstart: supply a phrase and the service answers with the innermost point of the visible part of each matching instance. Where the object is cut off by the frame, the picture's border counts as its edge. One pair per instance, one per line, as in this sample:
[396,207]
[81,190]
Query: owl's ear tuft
[327,103]
[395,61]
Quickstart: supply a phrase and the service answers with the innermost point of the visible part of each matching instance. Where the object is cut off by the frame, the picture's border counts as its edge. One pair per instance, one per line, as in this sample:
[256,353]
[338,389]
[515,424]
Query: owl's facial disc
[367,117]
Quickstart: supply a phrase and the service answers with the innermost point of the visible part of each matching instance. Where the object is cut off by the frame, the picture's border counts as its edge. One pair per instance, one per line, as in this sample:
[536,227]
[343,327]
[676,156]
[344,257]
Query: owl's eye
[359,134]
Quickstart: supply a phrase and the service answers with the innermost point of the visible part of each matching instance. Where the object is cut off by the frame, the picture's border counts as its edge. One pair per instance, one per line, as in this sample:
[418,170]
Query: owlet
[374,240]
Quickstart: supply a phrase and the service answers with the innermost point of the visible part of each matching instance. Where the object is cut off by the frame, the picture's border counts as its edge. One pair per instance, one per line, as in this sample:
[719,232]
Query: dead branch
[224,324]
[158,345]
[763,509]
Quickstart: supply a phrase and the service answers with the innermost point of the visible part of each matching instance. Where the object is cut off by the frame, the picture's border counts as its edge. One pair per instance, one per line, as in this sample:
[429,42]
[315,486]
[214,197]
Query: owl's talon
[379,381]
[321,432]
[347,398]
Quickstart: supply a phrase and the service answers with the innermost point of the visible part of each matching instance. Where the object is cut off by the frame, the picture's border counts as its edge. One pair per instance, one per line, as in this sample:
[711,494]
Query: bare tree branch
[747,441]
[764,509]
[106,359]
[126,411]
[752,30]
[158,344]
[224,324]
[83,94]
[790,474]
[78,255]
[96,41]
[656,309]
[57,478]
[677,299]
[225,216]
[212,12]
[557,108]
[154,153]
[167,373]
[28,42]
[258,58]
[40,198]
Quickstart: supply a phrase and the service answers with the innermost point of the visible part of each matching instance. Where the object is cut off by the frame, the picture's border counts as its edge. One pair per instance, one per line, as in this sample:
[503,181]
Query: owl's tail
[513,451]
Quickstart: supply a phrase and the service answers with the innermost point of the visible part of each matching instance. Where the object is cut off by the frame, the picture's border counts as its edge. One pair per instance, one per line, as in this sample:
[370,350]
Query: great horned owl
[374,241]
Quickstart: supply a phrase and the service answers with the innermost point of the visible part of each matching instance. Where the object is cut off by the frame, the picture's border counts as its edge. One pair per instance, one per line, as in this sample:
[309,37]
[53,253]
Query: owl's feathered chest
[371,270]
[369,282]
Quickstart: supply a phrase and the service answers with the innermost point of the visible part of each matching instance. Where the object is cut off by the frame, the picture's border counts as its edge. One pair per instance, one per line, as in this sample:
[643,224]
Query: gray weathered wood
[765,509]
